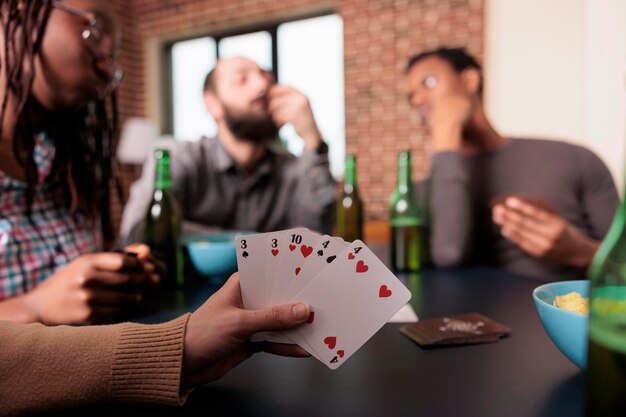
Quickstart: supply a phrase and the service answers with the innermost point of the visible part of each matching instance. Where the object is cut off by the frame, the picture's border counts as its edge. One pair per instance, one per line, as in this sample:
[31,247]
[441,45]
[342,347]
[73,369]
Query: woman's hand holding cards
[542,232]
[217,334]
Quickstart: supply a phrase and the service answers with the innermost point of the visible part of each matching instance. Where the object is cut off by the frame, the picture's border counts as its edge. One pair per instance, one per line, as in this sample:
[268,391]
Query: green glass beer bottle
[350,206]
[163,221]
[606,363]
[408,229]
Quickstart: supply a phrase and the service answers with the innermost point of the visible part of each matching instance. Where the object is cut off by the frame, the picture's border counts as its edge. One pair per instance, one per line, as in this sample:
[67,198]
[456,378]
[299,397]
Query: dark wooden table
[523,375]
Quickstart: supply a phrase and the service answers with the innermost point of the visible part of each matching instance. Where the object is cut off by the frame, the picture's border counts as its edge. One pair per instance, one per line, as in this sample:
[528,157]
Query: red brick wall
[131,91]
[379,36]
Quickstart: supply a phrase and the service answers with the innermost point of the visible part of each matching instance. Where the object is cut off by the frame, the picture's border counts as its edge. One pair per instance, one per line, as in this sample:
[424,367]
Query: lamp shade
[136,141]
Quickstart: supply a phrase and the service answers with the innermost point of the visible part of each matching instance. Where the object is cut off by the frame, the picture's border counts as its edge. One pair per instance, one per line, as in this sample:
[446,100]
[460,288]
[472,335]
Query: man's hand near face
[288,105]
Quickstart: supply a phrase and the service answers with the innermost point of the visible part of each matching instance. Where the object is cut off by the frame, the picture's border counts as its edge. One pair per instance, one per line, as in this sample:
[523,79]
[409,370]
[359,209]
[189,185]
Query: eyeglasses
[93,29]
[92,35]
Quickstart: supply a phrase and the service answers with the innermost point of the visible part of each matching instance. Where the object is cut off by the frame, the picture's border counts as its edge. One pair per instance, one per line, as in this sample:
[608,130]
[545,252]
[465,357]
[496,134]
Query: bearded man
[242,179]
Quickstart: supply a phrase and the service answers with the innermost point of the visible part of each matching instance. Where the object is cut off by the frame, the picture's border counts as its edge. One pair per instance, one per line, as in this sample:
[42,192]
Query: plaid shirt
[32,250]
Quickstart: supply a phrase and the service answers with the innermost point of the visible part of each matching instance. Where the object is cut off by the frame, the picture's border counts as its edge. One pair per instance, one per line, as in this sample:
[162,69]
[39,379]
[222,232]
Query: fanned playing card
[295,250]
[253,254]
[276,247]
[250,260]
[351,301]
[252,251]
[324,253]
[274,250]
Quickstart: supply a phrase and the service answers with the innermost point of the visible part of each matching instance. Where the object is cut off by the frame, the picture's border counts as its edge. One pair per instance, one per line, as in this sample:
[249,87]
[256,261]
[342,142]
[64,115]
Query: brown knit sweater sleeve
[42,367]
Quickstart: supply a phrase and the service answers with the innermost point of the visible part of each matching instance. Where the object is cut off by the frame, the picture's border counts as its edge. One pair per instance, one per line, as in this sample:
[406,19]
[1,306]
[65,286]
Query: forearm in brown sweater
[43,368]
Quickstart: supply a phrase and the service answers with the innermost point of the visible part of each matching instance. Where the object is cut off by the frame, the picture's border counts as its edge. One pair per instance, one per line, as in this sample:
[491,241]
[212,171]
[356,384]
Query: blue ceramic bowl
[568,330]
[213,255]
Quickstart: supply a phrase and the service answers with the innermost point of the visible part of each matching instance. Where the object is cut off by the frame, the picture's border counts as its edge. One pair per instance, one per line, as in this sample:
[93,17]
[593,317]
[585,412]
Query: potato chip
[572,302]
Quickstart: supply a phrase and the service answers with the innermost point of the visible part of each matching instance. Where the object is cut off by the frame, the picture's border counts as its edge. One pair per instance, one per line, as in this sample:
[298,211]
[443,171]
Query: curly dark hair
[83,138]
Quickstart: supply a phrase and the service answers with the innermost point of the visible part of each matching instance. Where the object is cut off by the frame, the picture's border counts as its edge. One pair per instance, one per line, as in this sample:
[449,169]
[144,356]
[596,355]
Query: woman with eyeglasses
[57,76]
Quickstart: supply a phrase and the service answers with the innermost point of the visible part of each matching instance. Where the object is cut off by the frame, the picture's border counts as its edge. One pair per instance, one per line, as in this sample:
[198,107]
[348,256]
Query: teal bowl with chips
[567,329]
[213,255]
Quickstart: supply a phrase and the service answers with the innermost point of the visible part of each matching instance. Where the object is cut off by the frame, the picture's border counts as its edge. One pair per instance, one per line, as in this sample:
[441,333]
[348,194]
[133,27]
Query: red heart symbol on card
[311,317]
[350,256]
[306,250]
[274,252]
[298,269]
[361,267]
[340,353]
[331,341]
[384,292]
[292,247]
